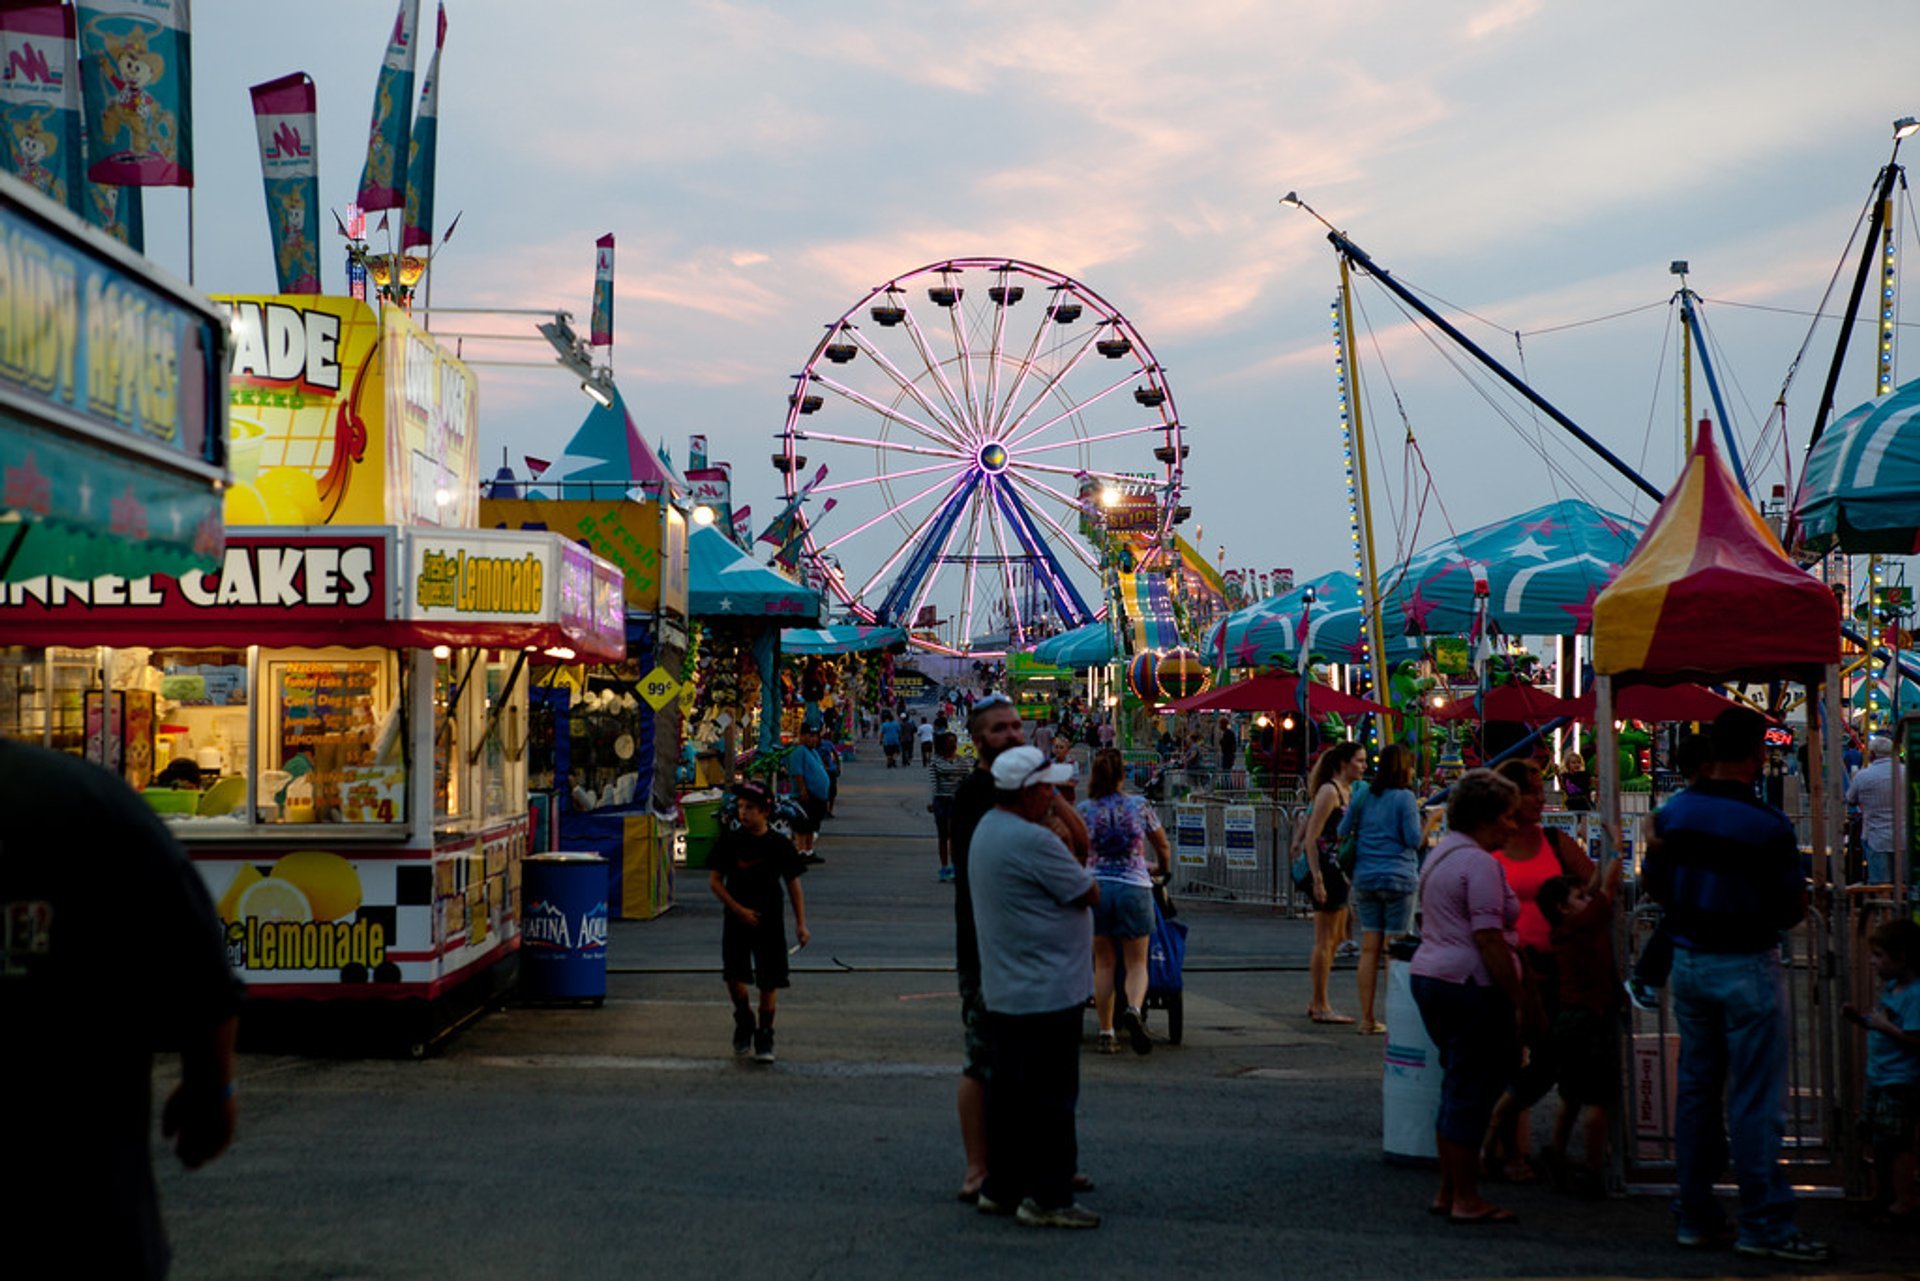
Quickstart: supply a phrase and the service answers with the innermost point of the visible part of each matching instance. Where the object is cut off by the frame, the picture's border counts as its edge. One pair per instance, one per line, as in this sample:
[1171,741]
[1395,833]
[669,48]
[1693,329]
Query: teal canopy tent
[844,638]
[1542,570]
[1861,491]
[725,582]
[1088,646]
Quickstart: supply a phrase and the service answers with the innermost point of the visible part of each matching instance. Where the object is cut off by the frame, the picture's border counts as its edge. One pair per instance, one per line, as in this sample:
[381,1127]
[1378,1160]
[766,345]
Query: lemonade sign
[303,914]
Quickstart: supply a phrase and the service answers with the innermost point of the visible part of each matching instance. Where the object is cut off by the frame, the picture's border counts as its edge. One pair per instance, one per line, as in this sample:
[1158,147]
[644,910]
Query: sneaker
[742,1040]
[1714,1238]
[987,1205]
[946,874]
[1793,1249]
[1129,1022]
[1071,1215]
[763,1046]
[1107,1044]
[1643,996]
[1346,951]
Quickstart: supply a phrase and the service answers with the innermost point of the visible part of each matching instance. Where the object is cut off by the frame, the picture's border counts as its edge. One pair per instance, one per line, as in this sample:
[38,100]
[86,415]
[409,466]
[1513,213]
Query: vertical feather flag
[40,100]
[1303,663]
[382,185]
[136,71]
[601,327]
[283,117]
[420,151]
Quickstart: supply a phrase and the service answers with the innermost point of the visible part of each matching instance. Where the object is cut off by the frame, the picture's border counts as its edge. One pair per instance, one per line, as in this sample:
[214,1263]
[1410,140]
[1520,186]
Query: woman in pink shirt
[1466,981]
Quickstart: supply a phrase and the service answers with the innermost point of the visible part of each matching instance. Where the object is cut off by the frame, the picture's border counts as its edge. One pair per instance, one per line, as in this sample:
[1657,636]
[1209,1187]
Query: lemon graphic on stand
[228,907]
[327,882]
[291,495]
[270,900]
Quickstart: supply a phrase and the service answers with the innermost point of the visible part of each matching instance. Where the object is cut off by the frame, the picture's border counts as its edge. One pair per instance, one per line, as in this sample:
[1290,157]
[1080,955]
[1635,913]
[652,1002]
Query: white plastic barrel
[1410,1079]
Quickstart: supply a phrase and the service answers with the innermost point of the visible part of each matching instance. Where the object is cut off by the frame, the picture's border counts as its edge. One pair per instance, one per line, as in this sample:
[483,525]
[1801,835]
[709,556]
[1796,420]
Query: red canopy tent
[1514,701]
[1654,703]
[1709,595]
[1275,694]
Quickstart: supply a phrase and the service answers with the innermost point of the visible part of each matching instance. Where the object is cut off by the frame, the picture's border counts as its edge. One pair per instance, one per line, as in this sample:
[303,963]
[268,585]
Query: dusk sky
[764,166]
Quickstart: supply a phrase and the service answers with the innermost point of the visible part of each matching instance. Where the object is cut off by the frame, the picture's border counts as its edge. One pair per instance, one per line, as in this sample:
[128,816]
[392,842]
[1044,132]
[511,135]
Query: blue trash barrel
[563,926]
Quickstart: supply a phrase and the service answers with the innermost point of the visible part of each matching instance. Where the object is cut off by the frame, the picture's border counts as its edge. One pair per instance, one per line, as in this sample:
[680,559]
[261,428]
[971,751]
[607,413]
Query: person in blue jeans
[1386,868]
[1725,868]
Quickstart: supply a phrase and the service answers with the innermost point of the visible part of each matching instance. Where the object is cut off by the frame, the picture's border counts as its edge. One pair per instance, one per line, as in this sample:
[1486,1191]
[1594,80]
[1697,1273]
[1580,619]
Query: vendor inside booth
[335,725]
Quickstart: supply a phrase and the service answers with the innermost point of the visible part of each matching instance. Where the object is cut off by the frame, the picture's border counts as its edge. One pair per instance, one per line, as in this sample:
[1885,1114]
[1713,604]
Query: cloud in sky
[764,165]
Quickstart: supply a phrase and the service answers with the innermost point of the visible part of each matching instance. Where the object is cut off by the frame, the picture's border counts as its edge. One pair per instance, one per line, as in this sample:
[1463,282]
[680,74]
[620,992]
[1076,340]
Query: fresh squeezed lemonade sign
[304,913]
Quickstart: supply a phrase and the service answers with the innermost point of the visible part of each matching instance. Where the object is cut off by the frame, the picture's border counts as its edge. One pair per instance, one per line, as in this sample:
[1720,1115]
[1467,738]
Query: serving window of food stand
[358,733]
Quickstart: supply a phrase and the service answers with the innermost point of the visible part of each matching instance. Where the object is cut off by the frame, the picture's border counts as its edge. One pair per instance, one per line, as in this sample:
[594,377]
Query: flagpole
[190,277]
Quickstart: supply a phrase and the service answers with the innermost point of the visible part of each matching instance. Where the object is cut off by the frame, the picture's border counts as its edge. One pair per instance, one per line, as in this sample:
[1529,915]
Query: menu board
[209,678]
[332,701]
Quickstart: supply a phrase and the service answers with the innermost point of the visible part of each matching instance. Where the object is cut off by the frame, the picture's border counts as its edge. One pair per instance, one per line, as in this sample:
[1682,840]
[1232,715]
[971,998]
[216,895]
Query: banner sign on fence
[1190,835]
[1238,826]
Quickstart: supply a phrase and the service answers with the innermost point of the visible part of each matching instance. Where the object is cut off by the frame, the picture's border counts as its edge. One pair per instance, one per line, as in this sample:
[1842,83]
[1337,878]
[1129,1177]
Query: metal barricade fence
[1232,847]
[1822,1078]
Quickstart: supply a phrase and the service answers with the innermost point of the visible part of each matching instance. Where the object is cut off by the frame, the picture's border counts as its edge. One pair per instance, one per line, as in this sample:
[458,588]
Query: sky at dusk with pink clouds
[1528,166]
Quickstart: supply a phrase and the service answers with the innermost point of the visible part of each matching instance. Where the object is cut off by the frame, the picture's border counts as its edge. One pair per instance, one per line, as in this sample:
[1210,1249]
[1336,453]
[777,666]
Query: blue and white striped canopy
[1088,646]
[1861,491]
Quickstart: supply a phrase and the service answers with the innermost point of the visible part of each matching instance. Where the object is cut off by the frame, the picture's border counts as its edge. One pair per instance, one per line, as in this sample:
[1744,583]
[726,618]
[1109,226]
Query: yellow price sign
[659,688]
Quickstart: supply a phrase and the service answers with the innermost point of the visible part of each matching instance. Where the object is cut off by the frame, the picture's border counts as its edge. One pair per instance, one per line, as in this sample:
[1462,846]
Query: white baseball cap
[1022,767]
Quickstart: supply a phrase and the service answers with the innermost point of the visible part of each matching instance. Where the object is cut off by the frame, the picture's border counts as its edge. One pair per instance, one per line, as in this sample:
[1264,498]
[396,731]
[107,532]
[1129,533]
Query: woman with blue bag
[1385,821]
[1120,828]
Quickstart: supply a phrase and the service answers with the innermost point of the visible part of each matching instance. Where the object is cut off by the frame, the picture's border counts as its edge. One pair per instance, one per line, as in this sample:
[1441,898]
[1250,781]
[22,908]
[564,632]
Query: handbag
[1347,852]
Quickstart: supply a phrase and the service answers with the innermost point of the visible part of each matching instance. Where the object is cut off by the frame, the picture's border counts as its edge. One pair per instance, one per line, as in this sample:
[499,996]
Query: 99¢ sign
[659,687]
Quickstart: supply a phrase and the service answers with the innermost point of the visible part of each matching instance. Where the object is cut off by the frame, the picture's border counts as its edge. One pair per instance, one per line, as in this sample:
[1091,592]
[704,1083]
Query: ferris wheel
[978,419]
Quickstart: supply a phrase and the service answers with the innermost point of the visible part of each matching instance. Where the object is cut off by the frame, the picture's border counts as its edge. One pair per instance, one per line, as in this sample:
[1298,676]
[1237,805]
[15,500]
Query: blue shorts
[1382,911]
[1123,912]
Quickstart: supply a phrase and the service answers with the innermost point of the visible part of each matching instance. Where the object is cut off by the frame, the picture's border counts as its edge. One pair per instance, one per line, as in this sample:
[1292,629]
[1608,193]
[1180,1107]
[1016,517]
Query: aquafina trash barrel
[563,927]
[1410,1080]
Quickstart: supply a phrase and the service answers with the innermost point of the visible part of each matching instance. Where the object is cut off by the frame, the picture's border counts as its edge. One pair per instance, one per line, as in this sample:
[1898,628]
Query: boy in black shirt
[745,871]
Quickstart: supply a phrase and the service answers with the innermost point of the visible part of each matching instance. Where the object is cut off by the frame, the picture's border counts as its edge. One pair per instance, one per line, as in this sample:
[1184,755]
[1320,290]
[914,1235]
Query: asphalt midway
[626,1141]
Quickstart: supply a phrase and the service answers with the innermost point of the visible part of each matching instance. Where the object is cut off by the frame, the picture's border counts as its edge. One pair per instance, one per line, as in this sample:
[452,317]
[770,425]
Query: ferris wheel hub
[994,457]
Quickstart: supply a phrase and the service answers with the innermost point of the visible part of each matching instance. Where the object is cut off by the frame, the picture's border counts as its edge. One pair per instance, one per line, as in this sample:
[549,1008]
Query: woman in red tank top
[1532,857]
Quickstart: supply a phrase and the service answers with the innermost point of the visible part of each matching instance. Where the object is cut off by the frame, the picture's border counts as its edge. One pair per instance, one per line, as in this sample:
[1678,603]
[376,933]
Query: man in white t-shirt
[1871,792]
[1030,911]
[924,737]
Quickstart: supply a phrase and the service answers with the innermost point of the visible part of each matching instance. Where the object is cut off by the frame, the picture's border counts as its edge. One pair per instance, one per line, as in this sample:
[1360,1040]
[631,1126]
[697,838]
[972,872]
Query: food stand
[606,737]
[358,700]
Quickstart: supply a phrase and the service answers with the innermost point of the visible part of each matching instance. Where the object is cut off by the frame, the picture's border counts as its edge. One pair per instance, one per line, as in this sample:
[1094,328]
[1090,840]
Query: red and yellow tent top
[1709,595]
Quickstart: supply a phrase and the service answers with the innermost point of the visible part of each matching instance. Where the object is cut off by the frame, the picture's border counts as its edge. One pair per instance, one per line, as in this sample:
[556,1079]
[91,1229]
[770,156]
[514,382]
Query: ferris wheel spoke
[993,352]
[888,412]
[954,430]
[894,510]
[1114,476]
[997,411]
[882,478]
[933,573]
[893,445]
[1006,564]
[912,540]
[1067,540]
[973,570]
[1087,440]
[1070,410]
[935,368]
[964,353]
[1054,379]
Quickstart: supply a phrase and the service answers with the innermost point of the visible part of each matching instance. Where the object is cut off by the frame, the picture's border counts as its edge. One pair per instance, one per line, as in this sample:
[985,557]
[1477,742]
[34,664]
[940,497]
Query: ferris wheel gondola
[974,418]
